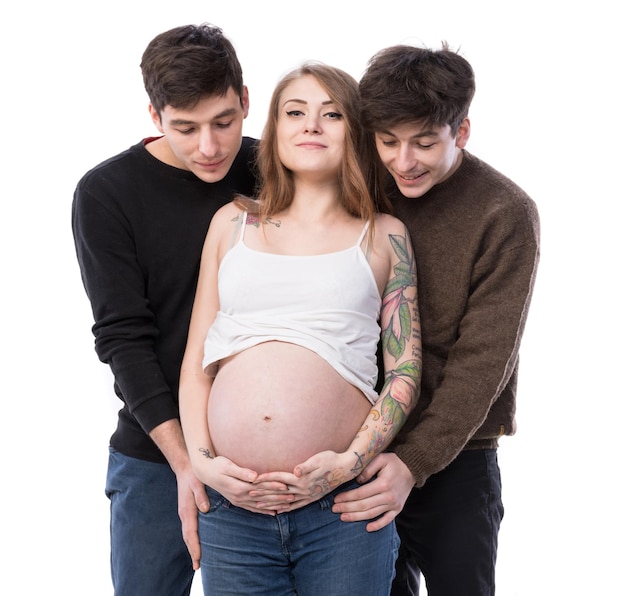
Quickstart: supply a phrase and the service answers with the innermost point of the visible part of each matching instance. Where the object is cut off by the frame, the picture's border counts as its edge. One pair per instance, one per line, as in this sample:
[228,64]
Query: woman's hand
[310,481]
[234,483]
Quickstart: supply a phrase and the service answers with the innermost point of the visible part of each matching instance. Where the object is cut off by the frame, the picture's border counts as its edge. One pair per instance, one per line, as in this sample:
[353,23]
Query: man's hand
[191,498]
[384,496]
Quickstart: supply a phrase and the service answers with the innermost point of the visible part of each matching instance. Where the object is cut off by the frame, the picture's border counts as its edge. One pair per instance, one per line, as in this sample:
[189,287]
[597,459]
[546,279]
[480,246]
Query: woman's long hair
[360,193]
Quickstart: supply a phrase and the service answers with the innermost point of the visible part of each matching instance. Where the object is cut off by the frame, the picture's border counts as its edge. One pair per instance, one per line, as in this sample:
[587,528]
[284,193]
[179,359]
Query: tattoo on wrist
[206,452]
[358,466]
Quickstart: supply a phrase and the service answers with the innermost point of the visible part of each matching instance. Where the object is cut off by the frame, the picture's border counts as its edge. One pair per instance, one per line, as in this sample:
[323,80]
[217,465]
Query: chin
[412,193]
[211,177]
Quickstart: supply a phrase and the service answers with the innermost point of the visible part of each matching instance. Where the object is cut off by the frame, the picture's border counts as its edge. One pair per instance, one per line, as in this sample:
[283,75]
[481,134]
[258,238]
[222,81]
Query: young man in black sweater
[139,221]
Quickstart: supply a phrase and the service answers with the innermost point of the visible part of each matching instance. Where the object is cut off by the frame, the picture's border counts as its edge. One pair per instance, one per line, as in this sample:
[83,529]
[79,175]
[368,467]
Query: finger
[243,474]
[202,500]
[373,468]
[359,510]
[284,478]
[284,508]
[356,494]
[274,498]
[269,487]
[192,541]
[306,468]
[370,513]
[381,522]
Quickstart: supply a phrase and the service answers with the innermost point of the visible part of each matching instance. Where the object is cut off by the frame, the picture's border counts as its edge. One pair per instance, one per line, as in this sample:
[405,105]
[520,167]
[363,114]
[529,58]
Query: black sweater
[139,226]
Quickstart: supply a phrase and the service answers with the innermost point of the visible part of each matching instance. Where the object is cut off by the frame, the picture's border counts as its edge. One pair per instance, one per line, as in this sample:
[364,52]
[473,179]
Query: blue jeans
[449,529]
[148,555]
[307,552]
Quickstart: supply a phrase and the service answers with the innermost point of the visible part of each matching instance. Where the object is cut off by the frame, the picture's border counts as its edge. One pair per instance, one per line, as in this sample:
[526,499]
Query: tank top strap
[363,232]
[242,222]
[368,249]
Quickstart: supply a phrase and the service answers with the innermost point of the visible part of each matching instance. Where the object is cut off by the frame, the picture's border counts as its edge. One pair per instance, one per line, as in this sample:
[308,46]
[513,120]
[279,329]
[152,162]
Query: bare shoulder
[386,225]
[222,227]
[230,212]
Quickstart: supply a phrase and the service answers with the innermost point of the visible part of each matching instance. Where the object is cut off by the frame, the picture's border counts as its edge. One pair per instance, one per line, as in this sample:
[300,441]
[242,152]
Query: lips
[411,178]
[211,165]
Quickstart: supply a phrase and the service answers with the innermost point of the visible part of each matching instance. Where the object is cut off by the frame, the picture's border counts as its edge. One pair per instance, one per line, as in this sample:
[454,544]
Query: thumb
[202,501]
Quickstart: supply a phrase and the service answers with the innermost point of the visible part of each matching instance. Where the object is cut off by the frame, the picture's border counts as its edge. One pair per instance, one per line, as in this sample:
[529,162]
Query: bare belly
[276,404]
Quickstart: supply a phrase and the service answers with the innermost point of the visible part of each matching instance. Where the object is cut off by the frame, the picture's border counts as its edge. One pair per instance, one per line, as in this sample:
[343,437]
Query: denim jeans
[308,552]
[148,555]
[449,529]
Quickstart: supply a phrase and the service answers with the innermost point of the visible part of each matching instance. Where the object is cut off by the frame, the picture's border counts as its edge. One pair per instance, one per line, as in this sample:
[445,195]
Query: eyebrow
[182,121]
[419,135]
[304,102]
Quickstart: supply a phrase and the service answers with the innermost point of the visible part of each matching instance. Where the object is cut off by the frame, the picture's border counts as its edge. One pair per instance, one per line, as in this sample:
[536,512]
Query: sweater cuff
[412,461]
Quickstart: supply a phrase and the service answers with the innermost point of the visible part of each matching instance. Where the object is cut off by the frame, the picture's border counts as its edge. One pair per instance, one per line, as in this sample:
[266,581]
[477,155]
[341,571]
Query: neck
[160,148]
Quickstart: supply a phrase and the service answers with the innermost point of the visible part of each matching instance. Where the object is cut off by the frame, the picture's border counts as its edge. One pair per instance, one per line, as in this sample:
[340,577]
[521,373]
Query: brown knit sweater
[476,240]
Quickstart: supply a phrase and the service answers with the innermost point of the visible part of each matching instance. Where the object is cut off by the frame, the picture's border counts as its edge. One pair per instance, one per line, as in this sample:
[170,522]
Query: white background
[548,112]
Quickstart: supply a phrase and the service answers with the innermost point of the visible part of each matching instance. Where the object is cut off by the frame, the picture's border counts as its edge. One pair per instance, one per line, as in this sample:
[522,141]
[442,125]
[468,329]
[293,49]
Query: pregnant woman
[277,389]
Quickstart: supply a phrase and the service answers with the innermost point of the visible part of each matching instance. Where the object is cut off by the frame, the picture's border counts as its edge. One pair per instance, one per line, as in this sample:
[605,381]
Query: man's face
[419,156]
[204,139]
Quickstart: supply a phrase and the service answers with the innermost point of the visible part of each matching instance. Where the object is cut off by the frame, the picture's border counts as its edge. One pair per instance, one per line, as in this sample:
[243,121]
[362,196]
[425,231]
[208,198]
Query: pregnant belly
[276,404]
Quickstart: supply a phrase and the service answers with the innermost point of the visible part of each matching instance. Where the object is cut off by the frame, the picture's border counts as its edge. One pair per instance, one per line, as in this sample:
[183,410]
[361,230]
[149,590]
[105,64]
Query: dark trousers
[449,530]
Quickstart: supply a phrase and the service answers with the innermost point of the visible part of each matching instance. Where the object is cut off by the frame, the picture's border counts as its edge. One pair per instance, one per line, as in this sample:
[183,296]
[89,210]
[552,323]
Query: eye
[334,115]
[295,113]
[185,131]
[425,146]
[223,124]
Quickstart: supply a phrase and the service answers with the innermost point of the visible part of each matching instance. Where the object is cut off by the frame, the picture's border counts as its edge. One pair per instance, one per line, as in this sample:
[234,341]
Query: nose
[208,144]
[312,124]
[405,158]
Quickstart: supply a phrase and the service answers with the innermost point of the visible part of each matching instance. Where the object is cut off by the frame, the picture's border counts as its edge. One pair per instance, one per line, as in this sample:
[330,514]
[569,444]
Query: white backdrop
[547,113]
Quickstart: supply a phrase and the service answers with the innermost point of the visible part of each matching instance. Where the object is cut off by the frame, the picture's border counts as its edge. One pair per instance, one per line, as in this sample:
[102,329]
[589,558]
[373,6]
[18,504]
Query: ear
[156,118]
[245,101]
[463,134]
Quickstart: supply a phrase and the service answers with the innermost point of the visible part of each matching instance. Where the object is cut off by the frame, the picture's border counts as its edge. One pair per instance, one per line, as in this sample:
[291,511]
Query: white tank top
[328,303]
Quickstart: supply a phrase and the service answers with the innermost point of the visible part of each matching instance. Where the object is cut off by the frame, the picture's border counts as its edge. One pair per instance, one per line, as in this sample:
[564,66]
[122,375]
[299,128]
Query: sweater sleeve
[484,352]
[125,329]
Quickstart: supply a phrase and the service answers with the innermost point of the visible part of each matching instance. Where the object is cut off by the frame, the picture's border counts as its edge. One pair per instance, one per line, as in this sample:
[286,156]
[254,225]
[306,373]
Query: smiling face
[418,156]
[310,131]
[204,139]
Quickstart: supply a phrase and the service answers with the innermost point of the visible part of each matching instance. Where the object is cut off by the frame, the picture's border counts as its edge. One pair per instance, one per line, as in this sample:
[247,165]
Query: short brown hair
[186,64]
[408,84]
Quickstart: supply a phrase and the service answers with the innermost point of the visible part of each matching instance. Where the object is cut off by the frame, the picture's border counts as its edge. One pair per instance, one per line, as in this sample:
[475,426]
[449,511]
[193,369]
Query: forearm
[193,398]
[402,355]
[168,437]
[386,418]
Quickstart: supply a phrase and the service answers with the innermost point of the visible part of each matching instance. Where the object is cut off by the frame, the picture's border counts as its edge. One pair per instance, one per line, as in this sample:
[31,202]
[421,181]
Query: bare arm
[218,472]
[401,341]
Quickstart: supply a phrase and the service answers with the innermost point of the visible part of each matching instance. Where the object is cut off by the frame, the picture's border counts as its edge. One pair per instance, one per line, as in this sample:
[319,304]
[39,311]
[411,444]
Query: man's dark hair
[186,64]
[408,84]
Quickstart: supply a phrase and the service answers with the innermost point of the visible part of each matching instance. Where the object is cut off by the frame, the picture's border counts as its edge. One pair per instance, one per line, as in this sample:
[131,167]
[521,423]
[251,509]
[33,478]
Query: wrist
[351,463]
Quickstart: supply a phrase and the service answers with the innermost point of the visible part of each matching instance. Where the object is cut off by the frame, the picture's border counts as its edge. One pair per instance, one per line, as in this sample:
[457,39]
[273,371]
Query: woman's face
[310,131]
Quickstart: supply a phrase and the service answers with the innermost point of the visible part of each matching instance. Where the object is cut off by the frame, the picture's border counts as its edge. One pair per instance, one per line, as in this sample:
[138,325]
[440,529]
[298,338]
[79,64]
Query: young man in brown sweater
[476,241]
